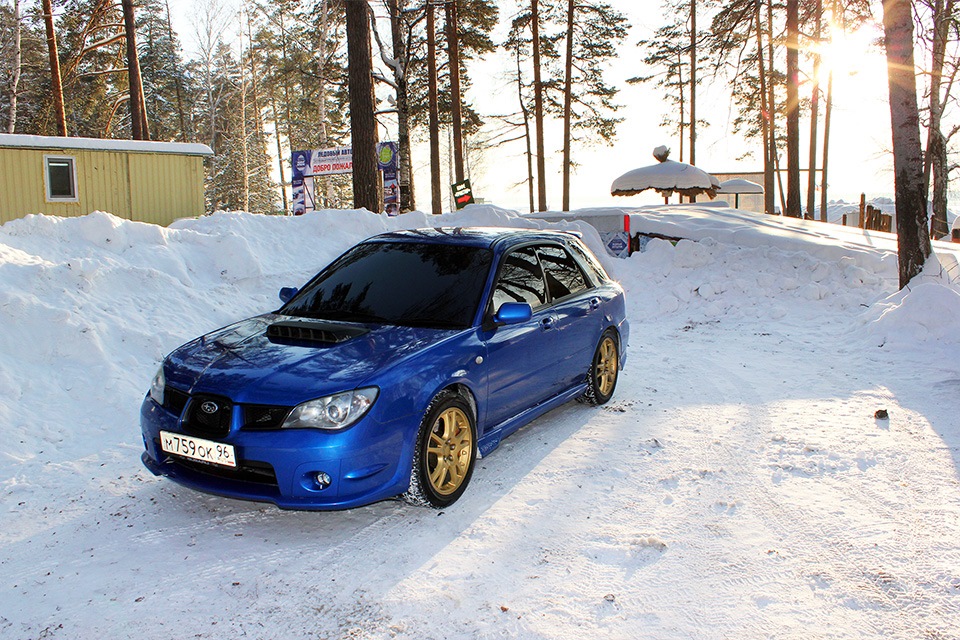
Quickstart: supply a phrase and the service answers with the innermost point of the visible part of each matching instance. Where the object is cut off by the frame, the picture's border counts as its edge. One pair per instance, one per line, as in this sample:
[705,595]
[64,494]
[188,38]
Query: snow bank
[738,470]
[91,305]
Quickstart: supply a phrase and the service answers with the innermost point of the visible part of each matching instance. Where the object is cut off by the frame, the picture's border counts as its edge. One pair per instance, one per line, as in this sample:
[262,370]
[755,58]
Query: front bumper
[366,462]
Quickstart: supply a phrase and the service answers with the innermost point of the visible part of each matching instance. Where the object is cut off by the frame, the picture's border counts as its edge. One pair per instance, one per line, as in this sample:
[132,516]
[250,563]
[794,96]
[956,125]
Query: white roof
[740,185]
[103,144]
[672,175]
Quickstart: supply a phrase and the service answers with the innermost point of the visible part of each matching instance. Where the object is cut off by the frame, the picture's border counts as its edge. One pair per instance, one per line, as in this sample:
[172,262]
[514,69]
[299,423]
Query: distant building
[154,182]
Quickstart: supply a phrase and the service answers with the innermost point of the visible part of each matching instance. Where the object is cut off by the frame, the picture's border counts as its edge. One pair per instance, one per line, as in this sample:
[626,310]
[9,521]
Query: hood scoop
[315,331]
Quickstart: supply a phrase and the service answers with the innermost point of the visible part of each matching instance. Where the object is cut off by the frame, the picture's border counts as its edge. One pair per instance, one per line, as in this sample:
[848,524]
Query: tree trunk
[55,82]
[814,115]
[538,106]
[366,194]
[764,119]
[913,241]
[435,193]
[828,112]
[682,105]
[400,54]
[178,84]
[453,48]
[935,158]
[693,84]
[793,110]
[526,129]
[138,119]
[938,202]
[283,178]
[328,199]
[244,148]
[15,79]
[771,114]
[567,106]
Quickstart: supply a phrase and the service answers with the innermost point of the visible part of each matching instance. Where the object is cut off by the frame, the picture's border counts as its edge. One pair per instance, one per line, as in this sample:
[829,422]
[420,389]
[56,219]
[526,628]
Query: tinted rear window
[412,284]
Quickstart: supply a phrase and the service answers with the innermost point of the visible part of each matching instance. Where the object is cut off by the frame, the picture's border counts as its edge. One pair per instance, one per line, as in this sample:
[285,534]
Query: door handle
[594,303]
[547,323]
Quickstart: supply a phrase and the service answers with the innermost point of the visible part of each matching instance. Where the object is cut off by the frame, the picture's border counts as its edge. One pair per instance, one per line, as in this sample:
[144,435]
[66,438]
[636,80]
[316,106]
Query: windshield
[413,284]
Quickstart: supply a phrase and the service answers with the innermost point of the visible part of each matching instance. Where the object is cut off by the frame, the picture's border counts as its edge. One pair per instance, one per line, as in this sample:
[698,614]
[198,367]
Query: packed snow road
[738,485]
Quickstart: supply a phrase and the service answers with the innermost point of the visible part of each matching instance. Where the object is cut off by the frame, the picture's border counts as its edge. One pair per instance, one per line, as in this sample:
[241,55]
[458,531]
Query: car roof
[482,237]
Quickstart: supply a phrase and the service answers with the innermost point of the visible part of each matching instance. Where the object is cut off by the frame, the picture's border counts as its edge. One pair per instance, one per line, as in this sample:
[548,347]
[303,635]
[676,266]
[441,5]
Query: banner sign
[462,194]
[388,163]
[322,162]
[310,164]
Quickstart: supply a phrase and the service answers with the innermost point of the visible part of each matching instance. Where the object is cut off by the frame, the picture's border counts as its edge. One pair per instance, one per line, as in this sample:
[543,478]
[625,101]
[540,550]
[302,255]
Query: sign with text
[462,194]
[322,162]
[311,164]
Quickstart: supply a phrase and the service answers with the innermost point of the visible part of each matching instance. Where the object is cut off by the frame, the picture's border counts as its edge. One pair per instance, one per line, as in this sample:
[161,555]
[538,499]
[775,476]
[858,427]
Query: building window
[60,175]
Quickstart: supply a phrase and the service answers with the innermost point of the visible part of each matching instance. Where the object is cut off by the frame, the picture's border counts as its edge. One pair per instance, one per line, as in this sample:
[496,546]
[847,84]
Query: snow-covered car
[389,371]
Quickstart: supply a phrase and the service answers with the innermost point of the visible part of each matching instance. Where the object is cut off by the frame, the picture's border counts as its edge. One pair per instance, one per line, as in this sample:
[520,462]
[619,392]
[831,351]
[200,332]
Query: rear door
[577,309]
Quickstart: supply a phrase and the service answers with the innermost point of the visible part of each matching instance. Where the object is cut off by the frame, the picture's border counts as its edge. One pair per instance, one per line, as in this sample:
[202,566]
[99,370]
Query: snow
[739,484]
[102,144]
[665,175]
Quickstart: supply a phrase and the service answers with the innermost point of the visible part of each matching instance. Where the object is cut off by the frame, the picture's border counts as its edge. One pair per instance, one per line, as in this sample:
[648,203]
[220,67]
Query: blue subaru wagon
[390,372]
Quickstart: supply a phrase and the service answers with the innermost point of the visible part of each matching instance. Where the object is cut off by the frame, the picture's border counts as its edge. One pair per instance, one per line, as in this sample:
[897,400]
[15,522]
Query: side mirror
[287,293]
[513,313]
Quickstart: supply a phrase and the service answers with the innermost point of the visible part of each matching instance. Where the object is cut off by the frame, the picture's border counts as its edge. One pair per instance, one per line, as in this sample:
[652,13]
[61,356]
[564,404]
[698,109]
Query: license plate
[198,449]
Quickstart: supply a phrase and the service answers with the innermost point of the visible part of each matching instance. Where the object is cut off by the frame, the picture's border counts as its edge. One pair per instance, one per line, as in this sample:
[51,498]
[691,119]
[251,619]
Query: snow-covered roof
[740,185]
[666,177]
[103,144]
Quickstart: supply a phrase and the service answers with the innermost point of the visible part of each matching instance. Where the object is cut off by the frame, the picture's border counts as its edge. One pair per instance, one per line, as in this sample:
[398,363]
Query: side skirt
[491,441]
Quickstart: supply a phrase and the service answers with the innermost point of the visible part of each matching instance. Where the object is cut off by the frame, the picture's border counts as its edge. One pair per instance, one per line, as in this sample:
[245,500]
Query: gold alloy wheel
[607,366]
[449,451]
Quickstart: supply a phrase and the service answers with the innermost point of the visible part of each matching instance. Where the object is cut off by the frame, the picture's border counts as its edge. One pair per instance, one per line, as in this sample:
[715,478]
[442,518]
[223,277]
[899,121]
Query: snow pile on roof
[103,144]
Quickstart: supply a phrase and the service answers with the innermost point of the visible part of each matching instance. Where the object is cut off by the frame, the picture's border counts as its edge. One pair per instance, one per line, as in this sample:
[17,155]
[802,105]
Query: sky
[860,134]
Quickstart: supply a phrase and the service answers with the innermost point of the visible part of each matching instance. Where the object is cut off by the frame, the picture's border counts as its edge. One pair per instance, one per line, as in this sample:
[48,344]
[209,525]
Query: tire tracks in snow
[819,552]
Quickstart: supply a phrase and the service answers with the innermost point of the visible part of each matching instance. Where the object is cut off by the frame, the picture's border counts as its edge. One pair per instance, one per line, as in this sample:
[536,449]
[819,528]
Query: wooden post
[863,210]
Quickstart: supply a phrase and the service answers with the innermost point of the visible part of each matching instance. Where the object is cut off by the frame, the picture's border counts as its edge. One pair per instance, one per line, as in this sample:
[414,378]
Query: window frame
[72,162]
[532,246]
[587,284]
[535,245]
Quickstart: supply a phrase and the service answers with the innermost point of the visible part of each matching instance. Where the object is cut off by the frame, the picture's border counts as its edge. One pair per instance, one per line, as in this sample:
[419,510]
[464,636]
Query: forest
[266,78]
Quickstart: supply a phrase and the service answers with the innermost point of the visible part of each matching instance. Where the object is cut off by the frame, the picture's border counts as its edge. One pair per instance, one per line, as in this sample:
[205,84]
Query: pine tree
[163,71]
[594,30]
[11,61]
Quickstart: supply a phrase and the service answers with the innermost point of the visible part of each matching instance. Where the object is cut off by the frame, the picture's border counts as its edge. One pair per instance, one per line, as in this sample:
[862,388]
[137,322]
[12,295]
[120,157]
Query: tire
[604,370]
[445,454]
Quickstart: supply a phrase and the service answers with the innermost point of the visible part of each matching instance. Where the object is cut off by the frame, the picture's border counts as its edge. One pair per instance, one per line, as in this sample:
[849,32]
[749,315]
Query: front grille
[174,400]
[208,415]
[262,416]
[246,471]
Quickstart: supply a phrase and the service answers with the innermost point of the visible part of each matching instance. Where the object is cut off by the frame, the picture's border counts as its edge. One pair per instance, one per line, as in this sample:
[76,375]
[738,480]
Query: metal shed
[154,182]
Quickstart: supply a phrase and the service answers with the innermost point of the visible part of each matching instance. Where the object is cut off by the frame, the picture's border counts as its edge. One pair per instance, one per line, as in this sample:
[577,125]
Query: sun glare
[851,53]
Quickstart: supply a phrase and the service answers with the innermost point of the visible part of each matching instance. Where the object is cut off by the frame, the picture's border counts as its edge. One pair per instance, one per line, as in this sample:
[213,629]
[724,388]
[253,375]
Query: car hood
[242,362]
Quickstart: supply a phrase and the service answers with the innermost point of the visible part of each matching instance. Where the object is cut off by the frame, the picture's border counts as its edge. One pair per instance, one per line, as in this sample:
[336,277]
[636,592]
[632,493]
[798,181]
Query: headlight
[332,412]
[157,386]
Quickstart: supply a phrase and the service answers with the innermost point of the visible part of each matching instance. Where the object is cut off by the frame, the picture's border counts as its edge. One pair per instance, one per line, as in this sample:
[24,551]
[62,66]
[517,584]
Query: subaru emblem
[209,407]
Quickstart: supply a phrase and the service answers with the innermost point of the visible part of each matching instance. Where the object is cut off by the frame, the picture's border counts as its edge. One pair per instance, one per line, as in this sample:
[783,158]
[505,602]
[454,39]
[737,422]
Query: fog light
[322,479]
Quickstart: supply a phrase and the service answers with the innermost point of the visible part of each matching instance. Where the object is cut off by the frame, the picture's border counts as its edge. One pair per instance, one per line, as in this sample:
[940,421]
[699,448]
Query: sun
[851,53]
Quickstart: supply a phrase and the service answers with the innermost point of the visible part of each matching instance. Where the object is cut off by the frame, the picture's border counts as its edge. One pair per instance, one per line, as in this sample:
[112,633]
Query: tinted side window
[562,274]
[521,280]
[590,261]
